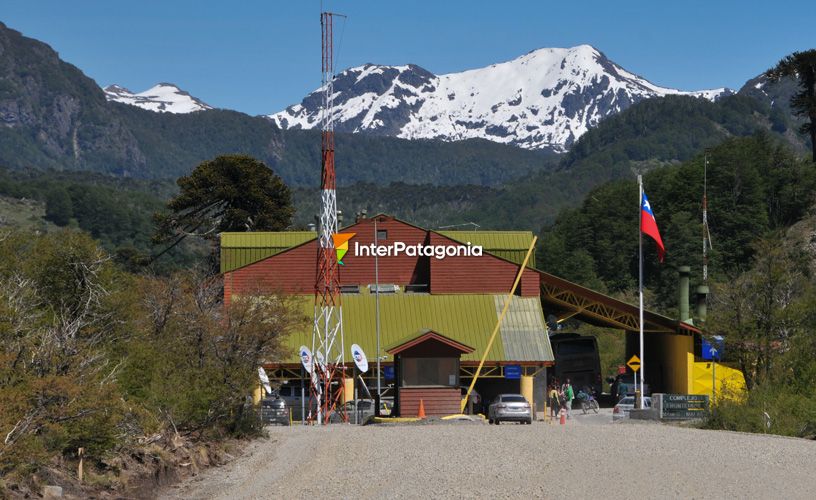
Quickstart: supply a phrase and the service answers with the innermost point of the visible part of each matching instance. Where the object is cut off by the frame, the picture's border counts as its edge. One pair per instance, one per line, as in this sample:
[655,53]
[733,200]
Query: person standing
[569,395]
[554,406]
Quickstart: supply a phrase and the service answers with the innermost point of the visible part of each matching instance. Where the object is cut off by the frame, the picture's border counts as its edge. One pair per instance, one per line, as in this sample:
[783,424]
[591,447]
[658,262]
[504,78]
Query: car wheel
[530,422]
[496,421]
[490,421]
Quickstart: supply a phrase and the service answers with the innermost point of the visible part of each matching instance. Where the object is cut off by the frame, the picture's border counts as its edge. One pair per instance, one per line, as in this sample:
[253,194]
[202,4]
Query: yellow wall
[671,367]
[730,382]
[527,389]
[665,365]
[348,392]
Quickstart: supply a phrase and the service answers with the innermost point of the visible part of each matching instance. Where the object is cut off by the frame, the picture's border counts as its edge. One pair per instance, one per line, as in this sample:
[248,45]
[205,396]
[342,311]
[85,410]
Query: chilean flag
[648,226]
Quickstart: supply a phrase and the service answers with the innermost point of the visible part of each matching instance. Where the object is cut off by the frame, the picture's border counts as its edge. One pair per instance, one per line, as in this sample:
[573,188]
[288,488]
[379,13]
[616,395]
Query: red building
[459,295]
[454,283]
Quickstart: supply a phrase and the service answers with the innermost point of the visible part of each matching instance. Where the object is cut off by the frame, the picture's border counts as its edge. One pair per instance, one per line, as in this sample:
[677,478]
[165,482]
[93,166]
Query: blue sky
[260,56]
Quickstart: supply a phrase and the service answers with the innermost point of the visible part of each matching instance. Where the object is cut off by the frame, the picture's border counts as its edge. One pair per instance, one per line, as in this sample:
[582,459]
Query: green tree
[762,311]
[227,193]
[58,206]
[802,66]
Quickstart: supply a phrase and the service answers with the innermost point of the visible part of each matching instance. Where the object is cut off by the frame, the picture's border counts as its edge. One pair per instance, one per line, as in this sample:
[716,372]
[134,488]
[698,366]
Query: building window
[430,372]
[349,288]
[383,288]
[382,234]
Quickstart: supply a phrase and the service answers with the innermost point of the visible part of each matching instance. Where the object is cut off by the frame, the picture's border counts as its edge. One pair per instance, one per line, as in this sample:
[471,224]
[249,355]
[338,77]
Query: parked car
[510,407]
[621,409]
[291,395]
[624,385]
[274,411]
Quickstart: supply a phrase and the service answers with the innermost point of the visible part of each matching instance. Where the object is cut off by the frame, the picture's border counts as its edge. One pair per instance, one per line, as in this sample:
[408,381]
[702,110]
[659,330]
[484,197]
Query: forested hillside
[117,212]
[756,185]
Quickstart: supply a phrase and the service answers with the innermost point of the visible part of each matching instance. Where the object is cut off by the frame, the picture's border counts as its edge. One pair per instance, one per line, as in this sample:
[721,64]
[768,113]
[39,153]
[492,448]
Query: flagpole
[640,283]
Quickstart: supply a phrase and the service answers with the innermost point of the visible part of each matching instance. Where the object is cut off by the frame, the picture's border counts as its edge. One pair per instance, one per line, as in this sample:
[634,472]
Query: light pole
[377,312]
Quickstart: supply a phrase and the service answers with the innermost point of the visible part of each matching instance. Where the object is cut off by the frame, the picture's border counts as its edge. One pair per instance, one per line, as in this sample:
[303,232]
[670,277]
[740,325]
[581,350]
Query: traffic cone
[563,417]
[421,413]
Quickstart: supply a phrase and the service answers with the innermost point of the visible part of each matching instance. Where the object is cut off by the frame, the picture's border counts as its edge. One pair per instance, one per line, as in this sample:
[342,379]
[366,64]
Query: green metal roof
[467,319]
[241,249]
[509,245]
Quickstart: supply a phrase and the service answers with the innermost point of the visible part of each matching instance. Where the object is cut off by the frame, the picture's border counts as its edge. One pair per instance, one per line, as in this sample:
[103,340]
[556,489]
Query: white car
[624,405]
[510,407]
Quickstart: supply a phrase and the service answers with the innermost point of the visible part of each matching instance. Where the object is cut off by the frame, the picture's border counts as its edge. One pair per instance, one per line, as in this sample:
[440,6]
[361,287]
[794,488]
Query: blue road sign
[713,348]
[388,372]
[512,372]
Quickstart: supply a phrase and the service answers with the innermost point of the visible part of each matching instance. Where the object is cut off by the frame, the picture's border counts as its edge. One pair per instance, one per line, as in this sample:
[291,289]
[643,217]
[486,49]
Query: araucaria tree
[227,193]
[802,66]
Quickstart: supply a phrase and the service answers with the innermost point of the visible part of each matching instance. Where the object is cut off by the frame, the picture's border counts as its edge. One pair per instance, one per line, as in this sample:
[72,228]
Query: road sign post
[634,364]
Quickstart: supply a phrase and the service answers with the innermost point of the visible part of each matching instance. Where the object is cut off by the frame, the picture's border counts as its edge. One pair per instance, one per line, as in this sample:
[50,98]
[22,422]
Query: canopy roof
[466,319]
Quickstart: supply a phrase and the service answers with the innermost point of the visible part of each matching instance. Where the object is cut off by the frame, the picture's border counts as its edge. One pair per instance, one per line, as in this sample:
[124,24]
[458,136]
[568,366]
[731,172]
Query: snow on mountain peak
[544,99]
[162,97]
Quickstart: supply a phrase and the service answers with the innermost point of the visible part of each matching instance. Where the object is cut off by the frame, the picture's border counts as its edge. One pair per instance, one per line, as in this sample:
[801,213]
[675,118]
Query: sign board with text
[512,372]
[681,406]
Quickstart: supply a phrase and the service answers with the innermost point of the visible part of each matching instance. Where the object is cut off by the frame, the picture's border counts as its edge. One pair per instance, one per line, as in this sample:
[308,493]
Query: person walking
[569,395]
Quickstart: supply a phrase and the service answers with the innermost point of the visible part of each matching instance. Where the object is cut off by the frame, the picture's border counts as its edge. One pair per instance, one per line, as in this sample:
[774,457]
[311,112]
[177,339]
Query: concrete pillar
[540,390]
[702,306]
[527,389]
[683,290]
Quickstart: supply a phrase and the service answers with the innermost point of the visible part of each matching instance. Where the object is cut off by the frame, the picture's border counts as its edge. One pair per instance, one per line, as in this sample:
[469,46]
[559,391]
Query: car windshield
[513,399]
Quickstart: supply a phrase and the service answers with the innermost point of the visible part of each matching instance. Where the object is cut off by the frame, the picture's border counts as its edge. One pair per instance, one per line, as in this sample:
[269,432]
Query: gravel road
[472,460]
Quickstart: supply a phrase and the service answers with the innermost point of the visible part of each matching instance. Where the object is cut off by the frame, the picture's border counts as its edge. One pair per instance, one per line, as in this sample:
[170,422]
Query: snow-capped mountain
[545,99]
[162,97]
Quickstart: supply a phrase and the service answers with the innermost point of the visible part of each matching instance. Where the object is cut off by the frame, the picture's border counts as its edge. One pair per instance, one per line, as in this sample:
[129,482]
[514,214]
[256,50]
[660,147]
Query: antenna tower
[328,374]
[706,233]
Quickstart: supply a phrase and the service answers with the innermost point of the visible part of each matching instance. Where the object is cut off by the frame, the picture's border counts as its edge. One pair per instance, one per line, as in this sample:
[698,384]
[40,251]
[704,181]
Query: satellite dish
[306,358]
[359,358]
[264,380]
[321,361]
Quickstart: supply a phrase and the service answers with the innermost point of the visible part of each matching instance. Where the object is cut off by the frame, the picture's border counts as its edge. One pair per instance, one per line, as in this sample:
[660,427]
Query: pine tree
[227,193]
[802,66]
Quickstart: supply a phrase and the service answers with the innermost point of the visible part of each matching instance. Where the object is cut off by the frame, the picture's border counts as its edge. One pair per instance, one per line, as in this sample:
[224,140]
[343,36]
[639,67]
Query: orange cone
[421,413]
[563,417]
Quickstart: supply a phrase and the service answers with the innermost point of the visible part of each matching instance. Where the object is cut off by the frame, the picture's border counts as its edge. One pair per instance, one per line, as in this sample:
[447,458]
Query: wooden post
[80,471]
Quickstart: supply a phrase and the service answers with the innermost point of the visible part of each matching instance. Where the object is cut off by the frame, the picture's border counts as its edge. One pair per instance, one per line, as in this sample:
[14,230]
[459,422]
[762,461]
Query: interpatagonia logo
[341,245]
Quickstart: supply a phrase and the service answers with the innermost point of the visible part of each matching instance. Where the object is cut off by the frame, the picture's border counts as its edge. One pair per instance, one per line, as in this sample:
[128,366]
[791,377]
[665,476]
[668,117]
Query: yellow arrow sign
[634,363]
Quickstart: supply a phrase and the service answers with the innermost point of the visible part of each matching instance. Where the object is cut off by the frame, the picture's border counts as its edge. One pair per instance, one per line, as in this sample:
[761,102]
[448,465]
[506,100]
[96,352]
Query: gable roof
[564,298]
[424,336]
[509,245]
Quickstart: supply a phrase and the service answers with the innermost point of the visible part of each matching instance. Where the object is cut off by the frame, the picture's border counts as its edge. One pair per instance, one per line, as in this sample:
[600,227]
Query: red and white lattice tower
[328,374]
